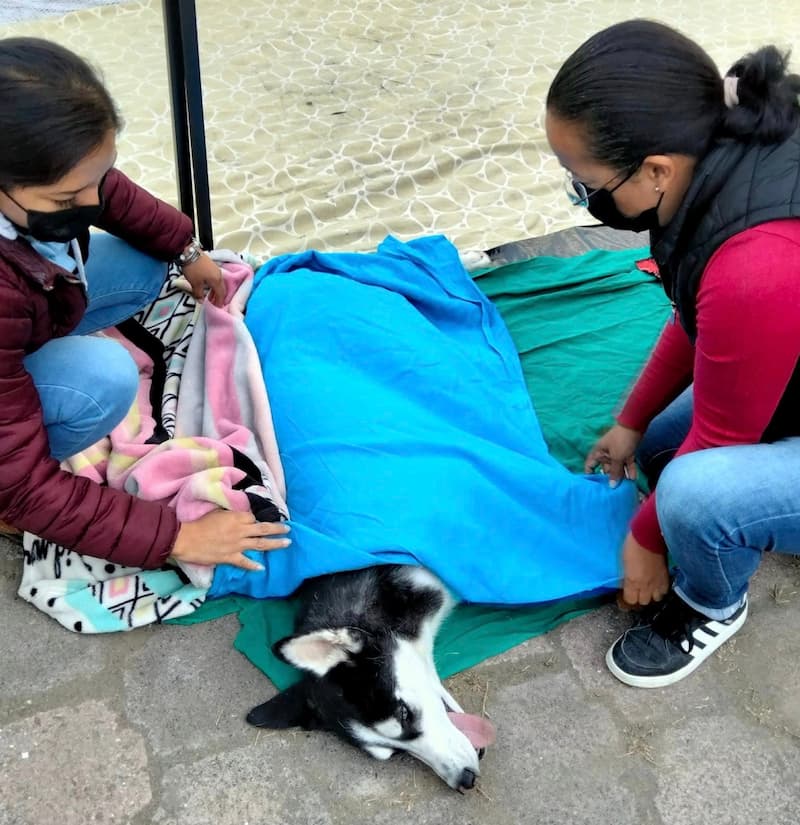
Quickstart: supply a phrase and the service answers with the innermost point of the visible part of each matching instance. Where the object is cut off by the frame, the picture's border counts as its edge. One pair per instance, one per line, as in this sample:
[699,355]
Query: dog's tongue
[478,730]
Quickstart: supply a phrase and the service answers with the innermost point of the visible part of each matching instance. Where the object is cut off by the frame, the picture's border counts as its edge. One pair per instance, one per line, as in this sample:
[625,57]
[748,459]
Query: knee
[119,379]
[109,379]
[86,386]
[653,455]
[690,497]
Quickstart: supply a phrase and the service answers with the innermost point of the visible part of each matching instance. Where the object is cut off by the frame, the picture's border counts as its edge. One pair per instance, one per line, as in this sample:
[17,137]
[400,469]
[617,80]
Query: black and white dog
[364,641]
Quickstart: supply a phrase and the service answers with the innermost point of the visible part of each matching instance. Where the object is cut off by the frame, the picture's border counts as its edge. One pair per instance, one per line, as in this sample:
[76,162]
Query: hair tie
[730,86]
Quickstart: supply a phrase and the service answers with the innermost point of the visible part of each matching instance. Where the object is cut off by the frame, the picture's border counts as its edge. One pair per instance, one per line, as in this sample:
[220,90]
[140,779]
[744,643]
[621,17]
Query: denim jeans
[720,509]
[86,385]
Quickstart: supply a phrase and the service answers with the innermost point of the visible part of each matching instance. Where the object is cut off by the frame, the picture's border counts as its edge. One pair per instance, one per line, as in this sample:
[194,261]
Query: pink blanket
[198,436]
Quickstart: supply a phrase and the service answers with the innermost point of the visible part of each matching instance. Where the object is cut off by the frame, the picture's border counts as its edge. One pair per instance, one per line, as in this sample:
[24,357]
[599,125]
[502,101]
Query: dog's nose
[467,779]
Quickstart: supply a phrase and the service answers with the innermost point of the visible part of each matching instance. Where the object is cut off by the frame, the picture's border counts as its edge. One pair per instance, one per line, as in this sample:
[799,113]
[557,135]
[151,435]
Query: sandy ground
[331,125]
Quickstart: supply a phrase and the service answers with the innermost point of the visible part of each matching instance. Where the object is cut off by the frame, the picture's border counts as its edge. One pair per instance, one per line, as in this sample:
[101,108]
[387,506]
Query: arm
[158,229]
[36,495]
[666,375]
[142,220]
[748,344]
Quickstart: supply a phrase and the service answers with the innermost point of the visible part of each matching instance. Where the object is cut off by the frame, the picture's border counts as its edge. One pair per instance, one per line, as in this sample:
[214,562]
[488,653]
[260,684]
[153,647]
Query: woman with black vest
[653,138]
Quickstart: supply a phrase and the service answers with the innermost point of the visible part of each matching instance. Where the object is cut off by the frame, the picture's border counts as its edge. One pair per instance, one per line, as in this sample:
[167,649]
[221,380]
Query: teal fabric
[583,327]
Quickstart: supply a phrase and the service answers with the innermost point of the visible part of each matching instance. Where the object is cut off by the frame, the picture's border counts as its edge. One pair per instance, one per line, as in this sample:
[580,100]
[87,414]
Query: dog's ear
[319,651]
[289,709]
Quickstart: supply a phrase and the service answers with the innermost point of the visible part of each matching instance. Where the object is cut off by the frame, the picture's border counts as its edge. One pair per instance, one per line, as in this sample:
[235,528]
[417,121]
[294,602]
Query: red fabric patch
[649,266]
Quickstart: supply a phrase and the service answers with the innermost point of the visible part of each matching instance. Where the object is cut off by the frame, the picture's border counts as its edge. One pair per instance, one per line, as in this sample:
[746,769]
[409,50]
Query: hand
[221,536]
[615,452]
[646,577]
[202,274]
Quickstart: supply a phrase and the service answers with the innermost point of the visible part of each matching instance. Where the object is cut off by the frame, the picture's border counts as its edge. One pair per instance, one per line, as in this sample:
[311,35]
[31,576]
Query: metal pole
[180,121]
[194,107]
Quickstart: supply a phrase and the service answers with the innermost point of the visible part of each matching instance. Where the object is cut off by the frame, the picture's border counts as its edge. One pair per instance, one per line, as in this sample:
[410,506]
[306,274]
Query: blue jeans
[86,385]
[720,509]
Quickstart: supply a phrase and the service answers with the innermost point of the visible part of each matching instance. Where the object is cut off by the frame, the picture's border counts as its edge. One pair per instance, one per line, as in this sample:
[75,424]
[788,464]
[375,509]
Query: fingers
[253,539]
[218,292]
[630,468]
[265,544]
[247,521]
[201,280]
[251,543]
[661,588]
[242,532]
[269,528]
[597,457]
[615,472]
[255,534]
[634,593]
[630,592]
[615,469]
[240,560]
[622,604]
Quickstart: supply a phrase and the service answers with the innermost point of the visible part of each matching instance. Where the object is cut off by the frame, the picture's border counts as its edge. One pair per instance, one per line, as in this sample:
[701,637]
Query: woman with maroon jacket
[653,138]
[60,388]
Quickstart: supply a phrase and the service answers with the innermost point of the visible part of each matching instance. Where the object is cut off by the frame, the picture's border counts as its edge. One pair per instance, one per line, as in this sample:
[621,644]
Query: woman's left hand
[204,274]
[646,574]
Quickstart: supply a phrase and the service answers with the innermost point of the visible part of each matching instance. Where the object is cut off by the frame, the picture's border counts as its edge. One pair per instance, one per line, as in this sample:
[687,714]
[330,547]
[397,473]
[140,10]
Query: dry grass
[782,594]
[638,742]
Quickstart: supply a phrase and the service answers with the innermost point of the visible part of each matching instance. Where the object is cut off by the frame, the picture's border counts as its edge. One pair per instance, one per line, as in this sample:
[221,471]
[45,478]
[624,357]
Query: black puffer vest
[735,187]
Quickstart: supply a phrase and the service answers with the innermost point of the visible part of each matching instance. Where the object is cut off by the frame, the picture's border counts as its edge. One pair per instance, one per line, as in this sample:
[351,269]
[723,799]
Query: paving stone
[725,771]
[72,766]
[189,689]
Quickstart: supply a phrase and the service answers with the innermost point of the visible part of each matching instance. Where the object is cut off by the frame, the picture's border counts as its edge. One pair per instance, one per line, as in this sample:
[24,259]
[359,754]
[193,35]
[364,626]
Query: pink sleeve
[747,347]
[666,375]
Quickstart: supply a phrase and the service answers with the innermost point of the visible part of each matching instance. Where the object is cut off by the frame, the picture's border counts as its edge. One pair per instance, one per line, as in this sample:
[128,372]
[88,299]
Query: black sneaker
[668,642]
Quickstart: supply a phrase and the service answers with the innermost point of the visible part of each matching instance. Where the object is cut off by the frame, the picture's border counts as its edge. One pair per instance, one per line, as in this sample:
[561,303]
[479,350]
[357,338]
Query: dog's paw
[378,752]
[473,259]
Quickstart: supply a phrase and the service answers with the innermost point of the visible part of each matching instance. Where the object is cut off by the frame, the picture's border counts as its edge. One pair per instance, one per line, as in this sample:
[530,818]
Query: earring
[658,188]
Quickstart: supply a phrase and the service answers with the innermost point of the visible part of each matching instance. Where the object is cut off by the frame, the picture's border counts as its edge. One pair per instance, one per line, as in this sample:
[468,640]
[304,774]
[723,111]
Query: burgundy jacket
[38,303]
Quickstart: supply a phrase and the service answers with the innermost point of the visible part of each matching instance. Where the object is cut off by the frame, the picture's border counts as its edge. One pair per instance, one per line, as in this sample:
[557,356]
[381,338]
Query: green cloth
[583,327]
[470,634]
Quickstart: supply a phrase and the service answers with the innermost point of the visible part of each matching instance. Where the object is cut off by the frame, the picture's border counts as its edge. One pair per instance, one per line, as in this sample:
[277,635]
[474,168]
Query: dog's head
[378,692]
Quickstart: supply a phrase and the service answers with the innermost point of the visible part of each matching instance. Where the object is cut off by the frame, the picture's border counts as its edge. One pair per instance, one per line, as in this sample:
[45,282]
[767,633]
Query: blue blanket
[408,436]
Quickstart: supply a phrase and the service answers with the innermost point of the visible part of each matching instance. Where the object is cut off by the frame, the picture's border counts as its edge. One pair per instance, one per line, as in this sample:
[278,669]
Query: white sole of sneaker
[699,655]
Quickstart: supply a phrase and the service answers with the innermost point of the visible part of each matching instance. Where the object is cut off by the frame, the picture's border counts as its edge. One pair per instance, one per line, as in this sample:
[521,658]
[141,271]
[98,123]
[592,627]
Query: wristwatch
[189,255]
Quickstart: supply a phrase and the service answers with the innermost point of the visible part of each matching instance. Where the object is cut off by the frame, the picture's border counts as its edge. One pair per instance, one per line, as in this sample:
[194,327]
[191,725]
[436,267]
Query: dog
[364,642]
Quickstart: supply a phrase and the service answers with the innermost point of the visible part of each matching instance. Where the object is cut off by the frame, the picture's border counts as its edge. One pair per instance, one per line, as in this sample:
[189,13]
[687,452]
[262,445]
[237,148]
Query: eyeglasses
[579,193]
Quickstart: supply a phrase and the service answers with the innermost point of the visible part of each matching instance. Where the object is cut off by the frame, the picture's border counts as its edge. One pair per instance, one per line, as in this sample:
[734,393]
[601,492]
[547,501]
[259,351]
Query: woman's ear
[660,170]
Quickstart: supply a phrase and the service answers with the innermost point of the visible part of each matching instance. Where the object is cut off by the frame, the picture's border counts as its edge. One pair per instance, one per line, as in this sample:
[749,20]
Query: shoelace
[672,620]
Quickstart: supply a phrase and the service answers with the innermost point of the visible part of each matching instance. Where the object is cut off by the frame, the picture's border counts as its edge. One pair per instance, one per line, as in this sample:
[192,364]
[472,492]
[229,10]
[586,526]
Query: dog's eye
[403,714]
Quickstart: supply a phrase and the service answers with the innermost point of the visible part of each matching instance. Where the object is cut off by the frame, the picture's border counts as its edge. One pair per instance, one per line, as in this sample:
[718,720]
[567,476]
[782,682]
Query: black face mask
[601,205]
[62,225]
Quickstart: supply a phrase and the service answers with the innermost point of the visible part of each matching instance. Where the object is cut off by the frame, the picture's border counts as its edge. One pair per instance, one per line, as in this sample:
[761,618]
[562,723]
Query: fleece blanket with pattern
[198,436]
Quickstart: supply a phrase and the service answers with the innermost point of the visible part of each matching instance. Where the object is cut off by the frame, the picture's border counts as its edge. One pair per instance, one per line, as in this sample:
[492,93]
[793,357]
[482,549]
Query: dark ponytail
[642,88]
[54,110]
[768,107]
